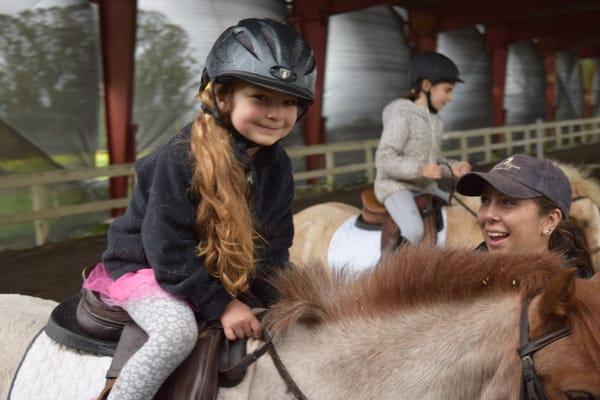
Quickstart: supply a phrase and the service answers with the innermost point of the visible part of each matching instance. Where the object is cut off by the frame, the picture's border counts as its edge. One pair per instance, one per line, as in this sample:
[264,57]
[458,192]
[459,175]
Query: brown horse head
[570,367]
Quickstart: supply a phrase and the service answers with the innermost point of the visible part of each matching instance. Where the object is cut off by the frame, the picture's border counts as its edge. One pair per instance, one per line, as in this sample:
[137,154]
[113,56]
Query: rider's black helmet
[264,52]
[433,66]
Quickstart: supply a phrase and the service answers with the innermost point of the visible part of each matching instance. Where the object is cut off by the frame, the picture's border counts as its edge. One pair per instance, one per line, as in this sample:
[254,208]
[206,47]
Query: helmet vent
[245,41]
[297,51]
[270,40]
[310,66]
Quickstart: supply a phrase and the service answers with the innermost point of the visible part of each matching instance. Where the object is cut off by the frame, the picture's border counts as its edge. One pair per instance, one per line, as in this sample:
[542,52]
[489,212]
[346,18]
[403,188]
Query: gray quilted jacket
[410,139]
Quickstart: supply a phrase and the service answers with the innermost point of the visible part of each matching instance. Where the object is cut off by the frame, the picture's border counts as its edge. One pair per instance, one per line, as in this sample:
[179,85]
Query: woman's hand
[239,321]
[432,171]
[461,168]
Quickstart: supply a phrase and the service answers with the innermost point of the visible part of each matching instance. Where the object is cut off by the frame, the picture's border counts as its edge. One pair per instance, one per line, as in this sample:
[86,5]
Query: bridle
[531,385]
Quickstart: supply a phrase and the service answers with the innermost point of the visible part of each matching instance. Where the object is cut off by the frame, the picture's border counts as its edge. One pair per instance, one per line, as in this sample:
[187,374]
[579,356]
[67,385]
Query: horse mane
[581,182]
[410,277]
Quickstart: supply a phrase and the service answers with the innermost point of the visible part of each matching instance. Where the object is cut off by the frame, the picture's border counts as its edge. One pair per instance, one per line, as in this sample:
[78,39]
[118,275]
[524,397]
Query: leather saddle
[374,216]
[85,323]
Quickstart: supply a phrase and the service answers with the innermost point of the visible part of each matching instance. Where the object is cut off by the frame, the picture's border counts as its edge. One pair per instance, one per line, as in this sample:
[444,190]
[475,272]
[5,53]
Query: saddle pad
[52,371]
[357,249]
[353,248]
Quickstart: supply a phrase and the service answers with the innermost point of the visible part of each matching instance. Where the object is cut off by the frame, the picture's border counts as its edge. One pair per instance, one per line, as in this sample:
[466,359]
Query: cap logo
[283,73]
[506,165]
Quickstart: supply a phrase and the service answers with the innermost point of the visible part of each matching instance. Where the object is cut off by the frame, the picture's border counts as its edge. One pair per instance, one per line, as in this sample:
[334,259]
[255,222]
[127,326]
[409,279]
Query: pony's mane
[582,182]
[410,277]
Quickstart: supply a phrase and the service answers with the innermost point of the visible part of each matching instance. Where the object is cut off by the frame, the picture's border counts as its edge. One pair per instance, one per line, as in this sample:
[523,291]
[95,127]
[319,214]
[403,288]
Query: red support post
[497,45]
[548,49]
[312,20]
[423,27]
[117,30]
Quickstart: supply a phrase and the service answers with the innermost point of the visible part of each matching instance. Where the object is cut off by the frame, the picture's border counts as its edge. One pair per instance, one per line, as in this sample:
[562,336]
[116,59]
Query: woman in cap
[525,203]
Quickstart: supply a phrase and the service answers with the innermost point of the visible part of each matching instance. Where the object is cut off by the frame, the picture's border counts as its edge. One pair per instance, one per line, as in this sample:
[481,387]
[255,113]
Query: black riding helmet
[264,52]
[433,66]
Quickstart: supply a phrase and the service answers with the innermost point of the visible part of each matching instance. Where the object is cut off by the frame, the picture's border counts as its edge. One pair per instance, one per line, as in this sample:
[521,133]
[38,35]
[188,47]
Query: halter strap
[531,386]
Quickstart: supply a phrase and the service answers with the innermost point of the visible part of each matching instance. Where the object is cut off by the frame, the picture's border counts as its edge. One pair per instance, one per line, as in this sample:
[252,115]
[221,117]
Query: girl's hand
[239,321]
[432,171]
[461,168]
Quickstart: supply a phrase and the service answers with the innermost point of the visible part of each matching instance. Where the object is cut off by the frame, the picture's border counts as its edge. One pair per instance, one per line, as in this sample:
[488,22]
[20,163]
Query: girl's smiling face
[262,115]
[512,225]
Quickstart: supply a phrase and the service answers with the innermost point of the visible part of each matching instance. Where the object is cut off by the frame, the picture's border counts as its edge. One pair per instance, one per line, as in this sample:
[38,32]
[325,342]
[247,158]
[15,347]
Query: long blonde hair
[223,216]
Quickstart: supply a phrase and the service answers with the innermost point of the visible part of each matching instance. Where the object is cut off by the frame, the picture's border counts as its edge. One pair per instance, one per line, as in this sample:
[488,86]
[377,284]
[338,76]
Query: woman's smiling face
[512,225]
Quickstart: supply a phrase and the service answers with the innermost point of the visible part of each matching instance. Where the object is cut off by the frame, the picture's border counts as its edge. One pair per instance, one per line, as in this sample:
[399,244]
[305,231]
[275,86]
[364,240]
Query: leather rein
[268,346]
[531,385]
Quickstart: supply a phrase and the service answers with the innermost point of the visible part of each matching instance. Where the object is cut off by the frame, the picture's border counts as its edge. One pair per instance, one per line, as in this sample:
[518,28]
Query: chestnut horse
[425,323]
[317,235]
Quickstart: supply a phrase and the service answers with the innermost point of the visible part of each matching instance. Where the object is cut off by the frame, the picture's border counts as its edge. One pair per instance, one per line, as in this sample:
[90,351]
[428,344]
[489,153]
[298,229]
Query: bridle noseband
[531,385]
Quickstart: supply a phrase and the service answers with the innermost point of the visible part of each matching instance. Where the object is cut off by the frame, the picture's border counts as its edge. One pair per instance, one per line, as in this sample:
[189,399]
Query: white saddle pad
[52,371]
[358,249]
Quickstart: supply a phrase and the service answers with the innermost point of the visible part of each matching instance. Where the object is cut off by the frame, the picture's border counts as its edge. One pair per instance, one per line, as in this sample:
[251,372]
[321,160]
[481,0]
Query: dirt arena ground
[53,271]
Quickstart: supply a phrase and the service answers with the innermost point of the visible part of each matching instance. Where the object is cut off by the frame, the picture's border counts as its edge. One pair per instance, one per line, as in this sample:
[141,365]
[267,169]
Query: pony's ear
[555,302]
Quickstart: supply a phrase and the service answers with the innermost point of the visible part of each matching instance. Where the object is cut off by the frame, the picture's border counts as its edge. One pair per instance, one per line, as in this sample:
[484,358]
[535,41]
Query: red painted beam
[589,52]
[496,38]
[455,15]
[312,21]
[548,49]
[423,25]
[117,30]
[579,25]
[344,6]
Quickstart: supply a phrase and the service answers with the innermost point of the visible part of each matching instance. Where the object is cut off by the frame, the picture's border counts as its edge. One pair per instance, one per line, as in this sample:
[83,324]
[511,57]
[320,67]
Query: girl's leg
[172,334]
[402,208]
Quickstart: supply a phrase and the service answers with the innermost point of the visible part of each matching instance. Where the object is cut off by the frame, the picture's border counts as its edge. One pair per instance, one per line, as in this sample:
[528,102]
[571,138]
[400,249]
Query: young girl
[408,154]
[211,213]
[525,205]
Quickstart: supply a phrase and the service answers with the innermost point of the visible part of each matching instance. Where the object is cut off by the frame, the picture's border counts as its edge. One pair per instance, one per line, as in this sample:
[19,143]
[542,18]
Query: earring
[547,232]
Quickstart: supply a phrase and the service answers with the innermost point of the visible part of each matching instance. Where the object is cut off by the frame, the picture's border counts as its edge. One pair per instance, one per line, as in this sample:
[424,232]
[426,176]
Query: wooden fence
[482,145]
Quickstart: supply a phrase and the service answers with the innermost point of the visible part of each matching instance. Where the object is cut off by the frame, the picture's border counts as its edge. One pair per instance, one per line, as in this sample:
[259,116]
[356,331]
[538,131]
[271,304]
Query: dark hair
[569,239]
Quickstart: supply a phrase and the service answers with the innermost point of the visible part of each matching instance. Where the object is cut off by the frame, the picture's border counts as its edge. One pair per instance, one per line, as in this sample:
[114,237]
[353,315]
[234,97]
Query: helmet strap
[432,109]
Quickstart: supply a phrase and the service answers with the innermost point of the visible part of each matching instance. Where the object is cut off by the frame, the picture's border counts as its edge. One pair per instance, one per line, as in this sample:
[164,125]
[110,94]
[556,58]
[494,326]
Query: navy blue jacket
[158,228]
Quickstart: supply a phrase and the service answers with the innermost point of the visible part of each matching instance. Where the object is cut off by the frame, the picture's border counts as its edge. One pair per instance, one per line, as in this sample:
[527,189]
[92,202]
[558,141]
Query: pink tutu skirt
[133,285]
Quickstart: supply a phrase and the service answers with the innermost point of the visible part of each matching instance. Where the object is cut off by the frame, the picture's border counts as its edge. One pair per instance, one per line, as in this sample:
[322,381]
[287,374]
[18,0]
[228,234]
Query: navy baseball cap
[522,177]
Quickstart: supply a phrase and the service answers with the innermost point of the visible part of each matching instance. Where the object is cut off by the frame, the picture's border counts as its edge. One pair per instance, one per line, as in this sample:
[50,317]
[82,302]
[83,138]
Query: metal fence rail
[483,145]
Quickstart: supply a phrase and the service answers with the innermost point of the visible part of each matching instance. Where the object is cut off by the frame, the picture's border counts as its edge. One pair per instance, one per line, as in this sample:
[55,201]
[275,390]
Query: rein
[268,346]
[531,385]
[452,197]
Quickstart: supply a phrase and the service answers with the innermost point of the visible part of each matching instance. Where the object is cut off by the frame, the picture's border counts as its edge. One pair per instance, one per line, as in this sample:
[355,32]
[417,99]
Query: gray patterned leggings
[172,333]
